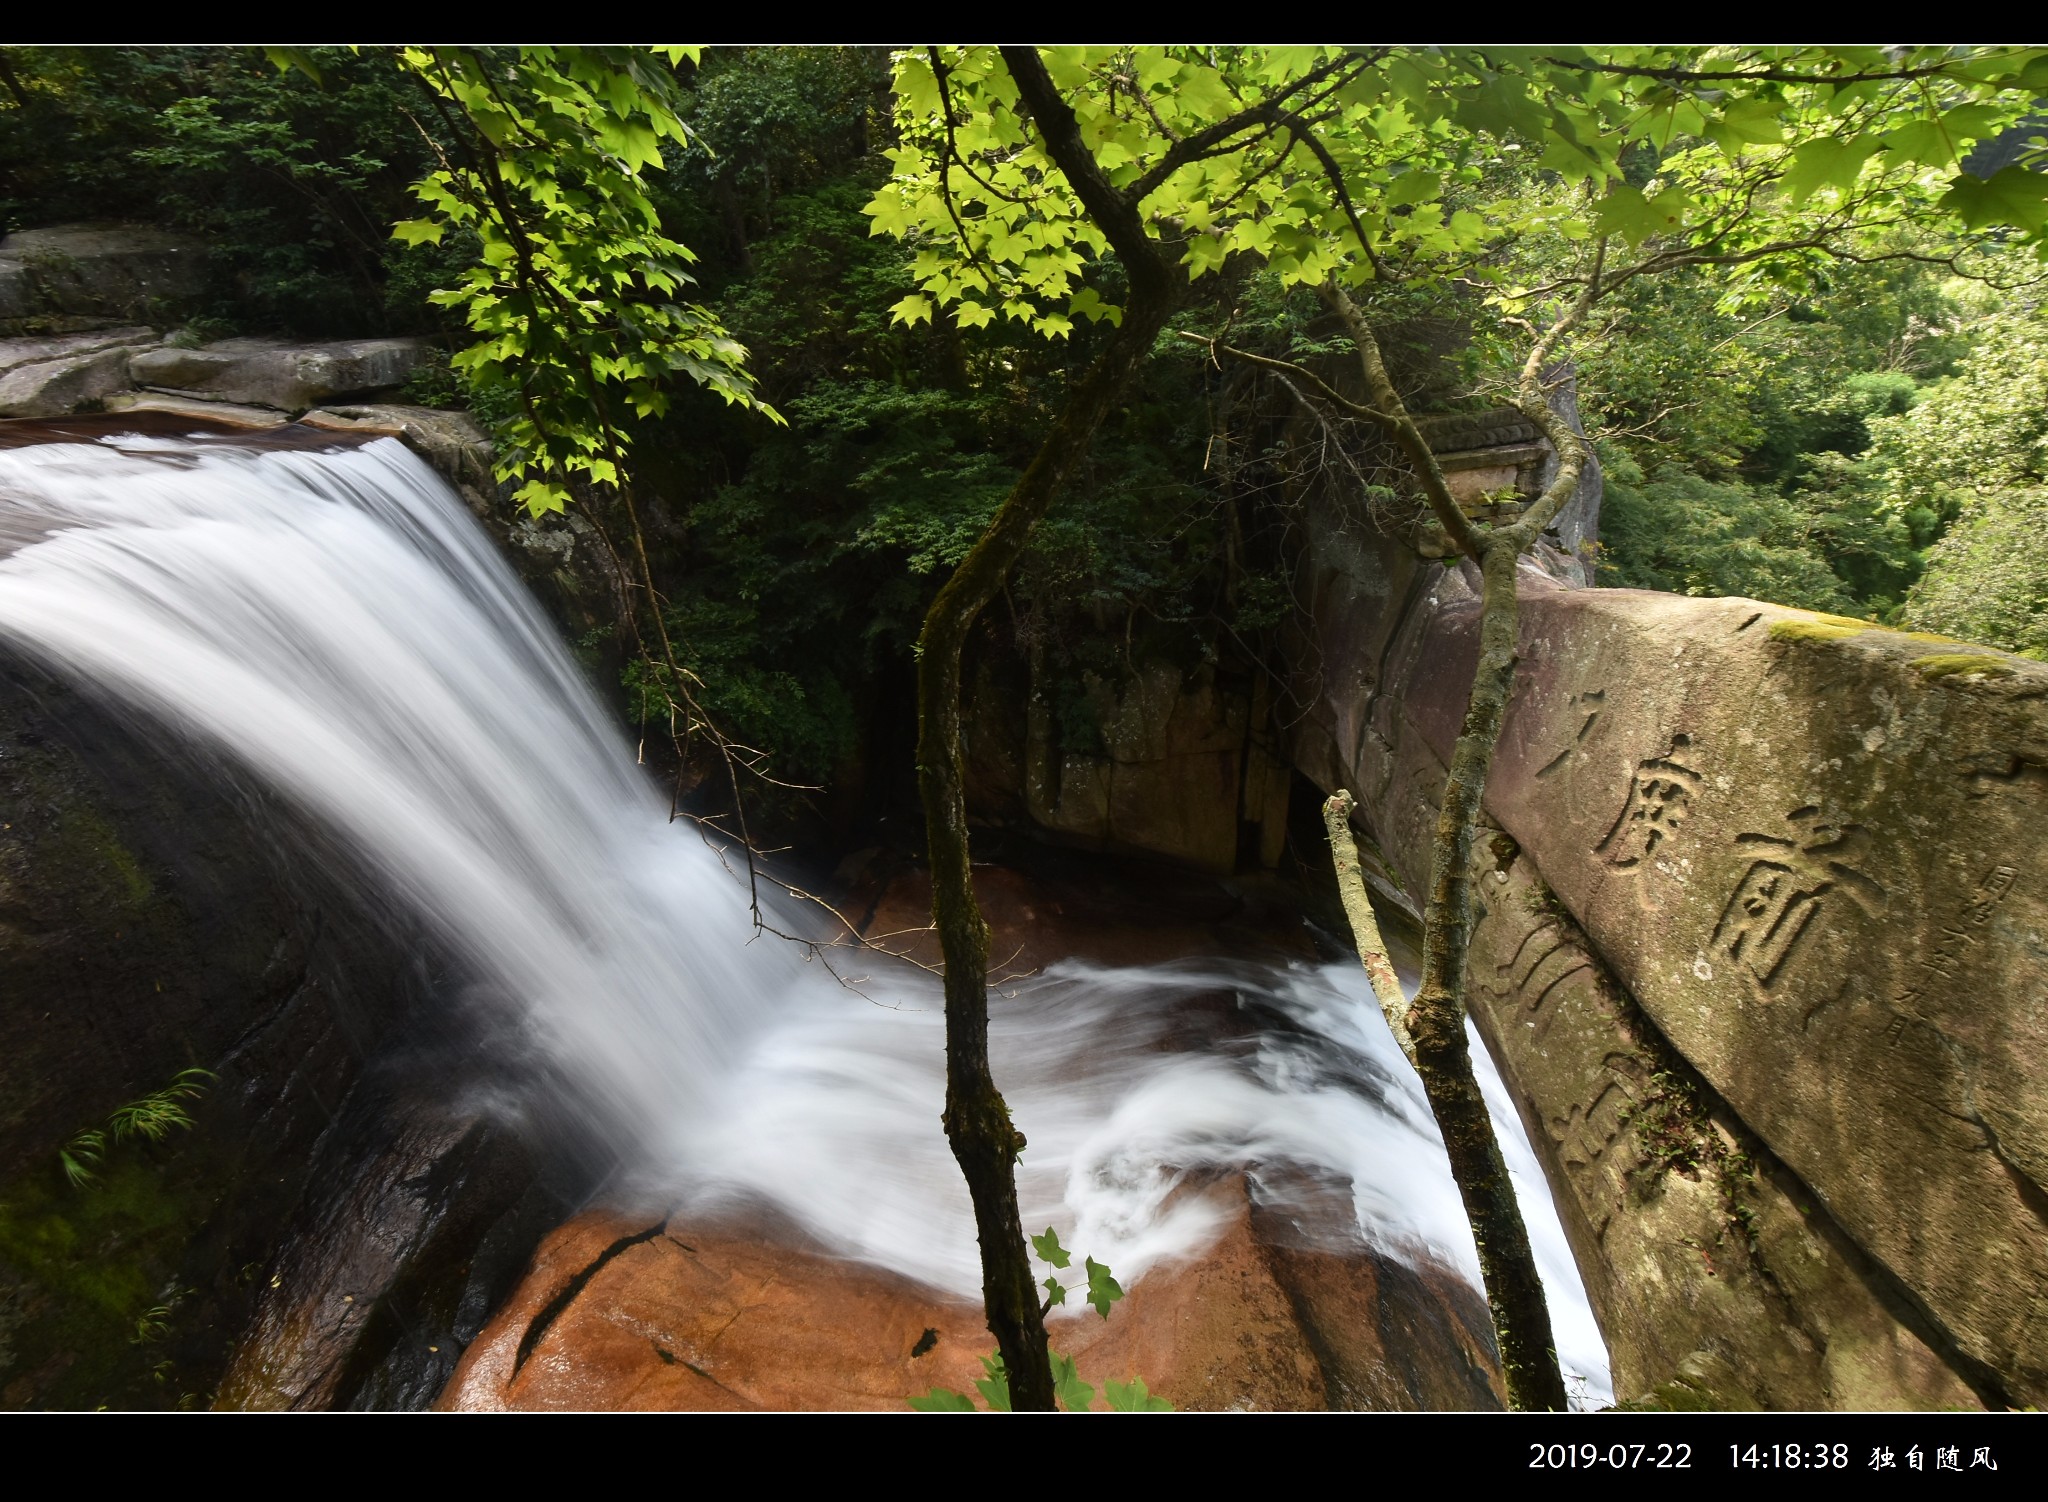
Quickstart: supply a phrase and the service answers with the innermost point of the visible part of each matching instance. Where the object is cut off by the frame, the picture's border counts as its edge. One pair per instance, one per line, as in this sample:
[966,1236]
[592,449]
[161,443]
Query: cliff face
[1762,959]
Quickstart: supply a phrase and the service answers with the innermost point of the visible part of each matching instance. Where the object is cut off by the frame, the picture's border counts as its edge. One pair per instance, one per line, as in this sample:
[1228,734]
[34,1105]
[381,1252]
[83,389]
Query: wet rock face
[331,1227]
[412,1228]
[1802,847]
[623,1313]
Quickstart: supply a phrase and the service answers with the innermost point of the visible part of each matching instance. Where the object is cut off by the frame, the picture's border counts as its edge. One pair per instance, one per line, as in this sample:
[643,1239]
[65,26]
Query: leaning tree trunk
[984,1140]
[1431,1029]
[1436,1020]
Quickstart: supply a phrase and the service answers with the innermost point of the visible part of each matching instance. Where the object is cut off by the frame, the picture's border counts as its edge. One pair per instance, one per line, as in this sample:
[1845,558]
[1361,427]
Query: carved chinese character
[1659,801]
[1588,704]
[1787,887]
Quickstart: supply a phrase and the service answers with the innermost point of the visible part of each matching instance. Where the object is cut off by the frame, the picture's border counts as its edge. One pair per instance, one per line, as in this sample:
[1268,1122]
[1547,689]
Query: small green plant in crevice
[151,1117]
[1665,1123]
[152,1325]
[1738,1195]
[80,1158]
[1672,1124]
[157,1115]
[1074,1395]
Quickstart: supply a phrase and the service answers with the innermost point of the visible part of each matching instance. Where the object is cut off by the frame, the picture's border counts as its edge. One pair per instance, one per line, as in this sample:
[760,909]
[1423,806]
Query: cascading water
[336,623]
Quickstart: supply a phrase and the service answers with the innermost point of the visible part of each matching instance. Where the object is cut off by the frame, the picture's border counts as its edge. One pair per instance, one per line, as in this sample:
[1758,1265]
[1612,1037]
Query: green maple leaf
[1074,1394]
[1132,1397]
[1049,1249]
[943,1400]
[2013,195]
[1103,1290]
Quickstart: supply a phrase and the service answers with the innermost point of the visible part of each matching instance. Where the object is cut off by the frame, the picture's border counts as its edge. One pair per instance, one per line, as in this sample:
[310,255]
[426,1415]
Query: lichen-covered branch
[1436,1021]
[1431,1030]
[1365,925]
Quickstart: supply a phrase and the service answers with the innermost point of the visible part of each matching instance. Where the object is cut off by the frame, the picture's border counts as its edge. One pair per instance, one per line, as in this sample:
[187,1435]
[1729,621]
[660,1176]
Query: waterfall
[337,625]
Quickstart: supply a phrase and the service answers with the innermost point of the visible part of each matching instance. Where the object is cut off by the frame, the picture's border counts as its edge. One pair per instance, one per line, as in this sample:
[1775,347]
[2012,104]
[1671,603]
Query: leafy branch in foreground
[578,296]
[1074,1395]
[577,292]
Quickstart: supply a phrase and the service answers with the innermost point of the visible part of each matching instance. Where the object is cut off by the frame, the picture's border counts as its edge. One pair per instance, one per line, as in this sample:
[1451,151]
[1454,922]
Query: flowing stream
[336,623]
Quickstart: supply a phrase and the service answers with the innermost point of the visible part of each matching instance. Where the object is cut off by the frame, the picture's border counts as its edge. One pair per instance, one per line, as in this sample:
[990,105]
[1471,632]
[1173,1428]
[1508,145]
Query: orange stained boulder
[624,1314]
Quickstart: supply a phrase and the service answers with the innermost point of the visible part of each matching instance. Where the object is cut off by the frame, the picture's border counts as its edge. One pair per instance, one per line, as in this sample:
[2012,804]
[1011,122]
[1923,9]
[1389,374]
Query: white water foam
[337,624]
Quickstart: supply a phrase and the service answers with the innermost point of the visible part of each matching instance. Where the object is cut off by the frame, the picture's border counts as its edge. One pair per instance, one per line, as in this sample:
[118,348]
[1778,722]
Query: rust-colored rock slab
[620,1314]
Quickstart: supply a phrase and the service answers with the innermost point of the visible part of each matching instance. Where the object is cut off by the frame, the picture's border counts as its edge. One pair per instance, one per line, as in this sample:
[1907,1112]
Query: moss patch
[1956,664]
[1680,1396]
[1667,1123]
[1818,628]
[94,1275]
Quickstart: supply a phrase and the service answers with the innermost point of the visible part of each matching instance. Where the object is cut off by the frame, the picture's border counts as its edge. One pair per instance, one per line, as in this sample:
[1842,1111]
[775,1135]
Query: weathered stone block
[274,373]
[56,376]
[110,271]
[1812,860]
[1804,847]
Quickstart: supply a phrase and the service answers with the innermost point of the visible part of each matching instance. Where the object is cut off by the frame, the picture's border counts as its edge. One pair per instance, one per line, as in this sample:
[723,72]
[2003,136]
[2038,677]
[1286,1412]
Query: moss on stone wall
[91,1279]
[1958,664]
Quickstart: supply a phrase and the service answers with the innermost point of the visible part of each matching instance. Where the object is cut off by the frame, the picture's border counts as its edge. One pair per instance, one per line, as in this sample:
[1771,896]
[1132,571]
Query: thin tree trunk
[978,1127]
[1434,1024]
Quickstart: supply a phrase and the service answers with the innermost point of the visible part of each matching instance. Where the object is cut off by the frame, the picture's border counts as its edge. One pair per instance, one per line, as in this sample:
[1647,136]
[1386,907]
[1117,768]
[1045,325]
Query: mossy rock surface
[1962,664]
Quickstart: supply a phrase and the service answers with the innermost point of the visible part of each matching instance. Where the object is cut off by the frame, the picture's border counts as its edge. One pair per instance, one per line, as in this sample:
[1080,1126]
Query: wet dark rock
[146,929]
[414,1224]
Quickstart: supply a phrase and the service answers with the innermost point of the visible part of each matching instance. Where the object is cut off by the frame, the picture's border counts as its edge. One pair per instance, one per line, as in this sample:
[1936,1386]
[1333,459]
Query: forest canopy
[1861,436]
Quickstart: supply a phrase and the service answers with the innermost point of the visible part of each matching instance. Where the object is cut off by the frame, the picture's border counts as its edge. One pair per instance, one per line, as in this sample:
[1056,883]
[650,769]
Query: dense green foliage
[1975,450]
[294,182]
[1874,448]
[1759,433]
[575,292]
[1734,435]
